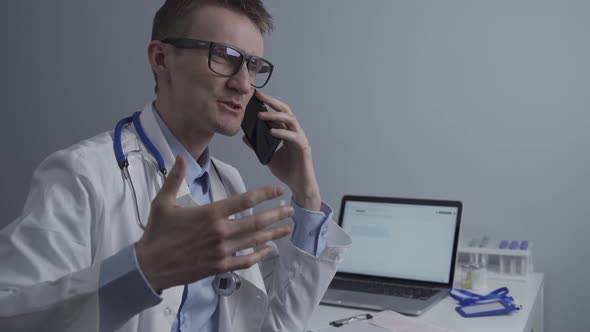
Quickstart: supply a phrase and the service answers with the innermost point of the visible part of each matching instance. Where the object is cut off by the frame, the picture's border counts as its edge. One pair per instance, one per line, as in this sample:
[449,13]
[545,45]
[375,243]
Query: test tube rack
[497,256]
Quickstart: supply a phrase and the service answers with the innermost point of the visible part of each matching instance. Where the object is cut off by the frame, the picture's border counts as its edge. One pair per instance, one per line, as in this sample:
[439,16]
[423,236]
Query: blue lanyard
[465,297]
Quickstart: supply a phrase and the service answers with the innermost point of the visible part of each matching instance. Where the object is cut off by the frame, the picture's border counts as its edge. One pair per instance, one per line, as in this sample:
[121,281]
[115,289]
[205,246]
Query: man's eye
[225,55]
[220,53]
[253,66]
[256,65]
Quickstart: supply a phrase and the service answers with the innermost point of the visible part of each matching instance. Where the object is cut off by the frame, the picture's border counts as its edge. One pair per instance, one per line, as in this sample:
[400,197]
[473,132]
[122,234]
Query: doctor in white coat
[79,257]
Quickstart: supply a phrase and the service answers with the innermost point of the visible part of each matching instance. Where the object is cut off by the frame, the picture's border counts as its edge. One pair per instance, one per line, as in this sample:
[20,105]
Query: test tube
[513,269]
[502,258]
[524,245]
[466,281]
[483,260]
[483,257]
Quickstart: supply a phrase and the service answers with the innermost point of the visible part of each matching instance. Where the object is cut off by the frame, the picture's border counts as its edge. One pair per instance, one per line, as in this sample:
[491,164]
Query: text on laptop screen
[403,241]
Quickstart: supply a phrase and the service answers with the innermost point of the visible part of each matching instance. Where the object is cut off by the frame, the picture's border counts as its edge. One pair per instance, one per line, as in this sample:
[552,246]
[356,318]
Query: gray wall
[482,101]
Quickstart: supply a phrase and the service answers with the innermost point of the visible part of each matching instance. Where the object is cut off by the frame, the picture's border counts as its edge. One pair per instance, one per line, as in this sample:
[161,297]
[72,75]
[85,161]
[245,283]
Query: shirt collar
[194,168]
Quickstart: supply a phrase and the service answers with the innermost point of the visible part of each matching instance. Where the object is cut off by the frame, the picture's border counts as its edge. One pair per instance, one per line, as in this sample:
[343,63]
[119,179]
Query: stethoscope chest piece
[227,283]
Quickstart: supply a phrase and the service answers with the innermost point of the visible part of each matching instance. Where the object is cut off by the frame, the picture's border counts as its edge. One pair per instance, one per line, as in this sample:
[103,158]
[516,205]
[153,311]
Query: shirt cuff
[124,291]
[310,232]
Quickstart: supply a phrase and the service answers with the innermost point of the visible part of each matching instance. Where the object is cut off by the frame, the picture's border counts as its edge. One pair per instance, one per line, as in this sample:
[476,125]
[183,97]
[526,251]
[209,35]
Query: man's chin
[228,131]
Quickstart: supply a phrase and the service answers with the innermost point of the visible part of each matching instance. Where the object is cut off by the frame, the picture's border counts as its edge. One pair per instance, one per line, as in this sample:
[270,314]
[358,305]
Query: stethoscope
[225,284]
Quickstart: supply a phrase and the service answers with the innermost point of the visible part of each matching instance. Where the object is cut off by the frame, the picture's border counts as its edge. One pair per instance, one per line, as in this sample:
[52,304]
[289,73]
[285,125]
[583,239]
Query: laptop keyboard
[410,292]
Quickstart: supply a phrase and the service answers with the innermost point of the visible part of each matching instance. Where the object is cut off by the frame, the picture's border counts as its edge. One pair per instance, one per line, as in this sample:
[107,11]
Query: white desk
[529,294]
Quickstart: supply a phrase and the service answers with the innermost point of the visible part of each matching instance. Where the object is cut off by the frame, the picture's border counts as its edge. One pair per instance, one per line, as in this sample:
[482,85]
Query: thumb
[173,181]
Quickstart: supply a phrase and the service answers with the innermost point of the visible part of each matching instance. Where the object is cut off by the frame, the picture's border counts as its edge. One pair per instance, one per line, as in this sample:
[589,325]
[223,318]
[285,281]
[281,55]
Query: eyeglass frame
[189,43]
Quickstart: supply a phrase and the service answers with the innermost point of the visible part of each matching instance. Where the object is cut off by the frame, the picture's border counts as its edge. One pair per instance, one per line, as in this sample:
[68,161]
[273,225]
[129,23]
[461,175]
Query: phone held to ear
[258,131]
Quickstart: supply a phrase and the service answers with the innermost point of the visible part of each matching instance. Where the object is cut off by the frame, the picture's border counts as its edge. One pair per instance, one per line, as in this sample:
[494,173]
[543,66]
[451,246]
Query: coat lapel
[222,186]
[233,309]
[154,133]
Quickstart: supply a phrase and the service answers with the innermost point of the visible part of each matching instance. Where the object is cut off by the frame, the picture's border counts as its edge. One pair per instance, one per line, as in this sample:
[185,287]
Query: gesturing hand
[181,245]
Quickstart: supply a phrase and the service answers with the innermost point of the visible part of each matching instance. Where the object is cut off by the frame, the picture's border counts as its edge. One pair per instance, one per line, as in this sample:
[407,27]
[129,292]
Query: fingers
[259,221]
[283,120]
[252,231]
[227,207]
[287,135]
[261,238]
[276,104]
[244,262]
[290,129]
[167,193]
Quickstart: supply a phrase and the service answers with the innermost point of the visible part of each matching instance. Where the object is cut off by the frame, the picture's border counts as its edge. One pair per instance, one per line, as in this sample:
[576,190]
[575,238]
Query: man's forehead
[218,24]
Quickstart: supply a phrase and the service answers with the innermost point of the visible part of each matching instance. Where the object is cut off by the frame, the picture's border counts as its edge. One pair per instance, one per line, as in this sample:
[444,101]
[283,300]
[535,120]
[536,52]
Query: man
[100,250]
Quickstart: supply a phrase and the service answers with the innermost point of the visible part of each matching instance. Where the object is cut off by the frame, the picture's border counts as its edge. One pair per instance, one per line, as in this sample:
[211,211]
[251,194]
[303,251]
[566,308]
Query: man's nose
[241,80]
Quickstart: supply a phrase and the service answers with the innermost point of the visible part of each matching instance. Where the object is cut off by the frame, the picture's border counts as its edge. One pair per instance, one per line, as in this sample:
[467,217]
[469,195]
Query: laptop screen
[400,240]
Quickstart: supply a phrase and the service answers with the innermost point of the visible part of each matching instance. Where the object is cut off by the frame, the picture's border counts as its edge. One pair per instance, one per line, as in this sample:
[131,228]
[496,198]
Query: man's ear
[157,54]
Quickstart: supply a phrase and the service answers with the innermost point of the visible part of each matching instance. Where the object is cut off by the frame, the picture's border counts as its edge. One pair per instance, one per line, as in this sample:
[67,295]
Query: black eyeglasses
[227,60]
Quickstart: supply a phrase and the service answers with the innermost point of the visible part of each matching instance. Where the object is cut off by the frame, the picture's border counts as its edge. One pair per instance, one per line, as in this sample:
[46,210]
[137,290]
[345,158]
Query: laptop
[402,256]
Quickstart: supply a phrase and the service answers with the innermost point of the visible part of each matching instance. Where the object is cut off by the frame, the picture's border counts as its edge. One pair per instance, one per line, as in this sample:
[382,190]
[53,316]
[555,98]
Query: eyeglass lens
[226,61]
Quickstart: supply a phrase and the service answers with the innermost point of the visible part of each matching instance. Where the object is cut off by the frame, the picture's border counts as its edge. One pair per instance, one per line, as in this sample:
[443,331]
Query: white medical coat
[80,211]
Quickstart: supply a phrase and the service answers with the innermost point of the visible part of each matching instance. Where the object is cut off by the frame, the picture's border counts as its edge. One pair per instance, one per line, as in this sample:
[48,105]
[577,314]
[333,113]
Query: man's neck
[193,140]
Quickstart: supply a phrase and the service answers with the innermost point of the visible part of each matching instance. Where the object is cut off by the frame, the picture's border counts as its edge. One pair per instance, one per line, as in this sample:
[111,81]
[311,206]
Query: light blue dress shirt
[124,290]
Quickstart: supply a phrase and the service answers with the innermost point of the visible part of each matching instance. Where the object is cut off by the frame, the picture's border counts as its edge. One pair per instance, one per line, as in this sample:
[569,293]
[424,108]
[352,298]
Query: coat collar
[154,133]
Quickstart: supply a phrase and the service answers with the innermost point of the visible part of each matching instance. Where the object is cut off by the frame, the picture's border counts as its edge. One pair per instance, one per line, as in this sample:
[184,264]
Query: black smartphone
[258,131]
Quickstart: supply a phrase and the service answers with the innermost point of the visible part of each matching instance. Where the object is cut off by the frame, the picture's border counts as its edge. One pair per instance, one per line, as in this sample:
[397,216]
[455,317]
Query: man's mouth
[231,104]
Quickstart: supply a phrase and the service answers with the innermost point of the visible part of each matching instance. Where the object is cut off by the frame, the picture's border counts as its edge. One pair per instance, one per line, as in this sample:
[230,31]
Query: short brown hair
[170,20]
